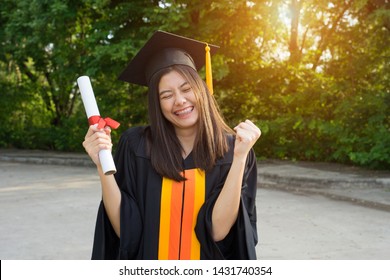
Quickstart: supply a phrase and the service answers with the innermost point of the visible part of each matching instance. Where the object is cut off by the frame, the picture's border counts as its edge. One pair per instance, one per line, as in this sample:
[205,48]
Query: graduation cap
[165,49]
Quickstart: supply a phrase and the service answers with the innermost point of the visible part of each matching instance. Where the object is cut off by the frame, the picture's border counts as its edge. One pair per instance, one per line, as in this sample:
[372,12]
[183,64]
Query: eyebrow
[168,90]
[184,84]
[164,91]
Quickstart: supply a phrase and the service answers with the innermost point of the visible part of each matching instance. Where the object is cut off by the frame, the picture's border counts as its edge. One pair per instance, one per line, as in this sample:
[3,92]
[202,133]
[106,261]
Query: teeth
[184,111]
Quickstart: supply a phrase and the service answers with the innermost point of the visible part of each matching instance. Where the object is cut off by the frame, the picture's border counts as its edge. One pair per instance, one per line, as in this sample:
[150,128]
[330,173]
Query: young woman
[185,186]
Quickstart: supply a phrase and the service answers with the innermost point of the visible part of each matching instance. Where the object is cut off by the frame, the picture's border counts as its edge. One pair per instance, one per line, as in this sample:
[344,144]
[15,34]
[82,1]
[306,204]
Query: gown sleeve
[107,245]
[241,240]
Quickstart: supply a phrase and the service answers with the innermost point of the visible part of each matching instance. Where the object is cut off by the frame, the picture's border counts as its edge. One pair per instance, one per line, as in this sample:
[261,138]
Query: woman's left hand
[247,134]
[226,207]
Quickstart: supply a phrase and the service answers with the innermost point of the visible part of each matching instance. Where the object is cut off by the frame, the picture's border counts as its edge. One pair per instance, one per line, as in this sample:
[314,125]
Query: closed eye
[186,89]
[166,95]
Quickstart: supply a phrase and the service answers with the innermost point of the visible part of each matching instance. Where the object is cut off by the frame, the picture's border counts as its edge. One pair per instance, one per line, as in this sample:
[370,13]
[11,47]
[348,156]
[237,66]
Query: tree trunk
[295,54]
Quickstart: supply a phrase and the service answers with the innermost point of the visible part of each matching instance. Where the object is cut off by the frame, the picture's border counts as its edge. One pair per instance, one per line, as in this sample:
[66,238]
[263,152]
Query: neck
[187,140]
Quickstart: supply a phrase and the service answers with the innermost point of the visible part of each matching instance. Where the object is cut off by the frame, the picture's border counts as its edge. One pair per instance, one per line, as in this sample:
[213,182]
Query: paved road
[300,227]
[48,212]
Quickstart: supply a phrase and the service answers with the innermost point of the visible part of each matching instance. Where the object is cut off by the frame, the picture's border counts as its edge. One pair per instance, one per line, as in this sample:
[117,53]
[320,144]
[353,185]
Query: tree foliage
[313,74]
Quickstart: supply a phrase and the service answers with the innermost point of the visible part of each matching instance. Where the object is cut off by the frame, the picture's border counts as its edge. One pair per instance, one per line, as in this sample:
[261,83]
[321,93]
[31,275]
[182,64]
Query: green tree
[314,75]
[46,45]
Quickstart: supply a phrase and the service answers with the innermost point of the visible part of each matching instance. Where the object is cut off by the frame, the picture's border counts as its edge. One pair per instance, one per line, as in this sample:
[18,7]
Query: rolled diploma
[91,109]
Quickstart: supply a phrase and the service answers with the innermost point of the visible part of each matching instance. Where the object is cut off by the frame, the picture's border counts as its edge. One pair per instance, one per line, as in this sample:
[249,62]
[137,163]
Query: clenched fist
[247,134]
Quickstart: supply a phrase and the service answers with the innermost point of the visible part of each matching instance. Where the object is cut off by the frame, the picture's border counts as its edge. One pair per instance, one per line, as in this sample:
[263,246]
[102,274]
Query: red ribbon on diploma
[103,122]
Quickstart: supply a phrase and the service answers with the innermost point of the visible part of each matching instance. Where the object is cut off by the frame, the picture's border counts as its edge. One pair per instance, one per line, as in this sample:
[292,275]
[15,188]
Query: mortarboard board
[165,49]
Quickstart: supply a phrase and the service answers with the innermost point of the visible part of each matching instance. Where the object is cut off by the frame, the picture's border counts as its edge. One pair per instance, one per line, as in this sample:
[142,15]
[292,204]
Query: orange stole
[180,204]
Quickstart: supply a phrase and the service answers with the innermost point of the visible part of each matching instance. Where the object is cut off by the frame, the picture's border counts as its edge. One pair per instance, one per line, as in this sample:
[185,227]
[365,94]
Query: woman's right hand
[95,140]
[100,139]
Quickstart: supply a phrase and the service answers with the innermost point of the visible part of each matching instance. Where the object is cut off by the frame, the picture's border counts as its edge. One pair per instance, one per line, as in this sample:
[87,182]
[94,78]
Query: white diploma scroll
[91,109]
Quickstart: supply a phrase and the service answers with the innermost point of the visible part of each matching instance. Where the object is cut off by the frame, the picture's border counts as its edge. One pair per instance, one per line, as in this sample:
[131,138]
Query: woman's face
[177,101]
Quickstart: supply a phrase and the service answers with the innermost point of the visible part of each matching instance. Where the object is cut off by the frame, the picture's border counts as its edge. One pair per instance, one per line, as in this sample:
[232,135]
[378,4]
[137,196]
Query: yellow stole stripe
[165,209]
[200,194]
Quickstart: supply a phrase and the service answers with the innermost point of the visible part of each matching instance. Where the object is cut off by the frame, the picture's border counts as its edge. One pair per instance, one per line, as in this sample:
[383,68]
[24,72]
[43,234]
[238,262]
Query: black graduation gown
[140,187]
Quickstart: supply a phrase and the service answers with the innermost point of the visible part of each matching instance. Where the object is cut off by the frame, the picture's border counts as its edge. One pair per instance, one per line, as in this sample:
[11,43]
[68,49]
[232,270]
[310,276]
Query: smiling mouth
[184,111]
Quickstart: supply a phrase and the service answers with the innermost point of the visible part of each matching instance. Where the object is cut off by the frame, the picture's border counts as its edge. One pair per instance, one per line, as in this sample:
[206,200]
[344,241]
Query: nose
[180,99]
